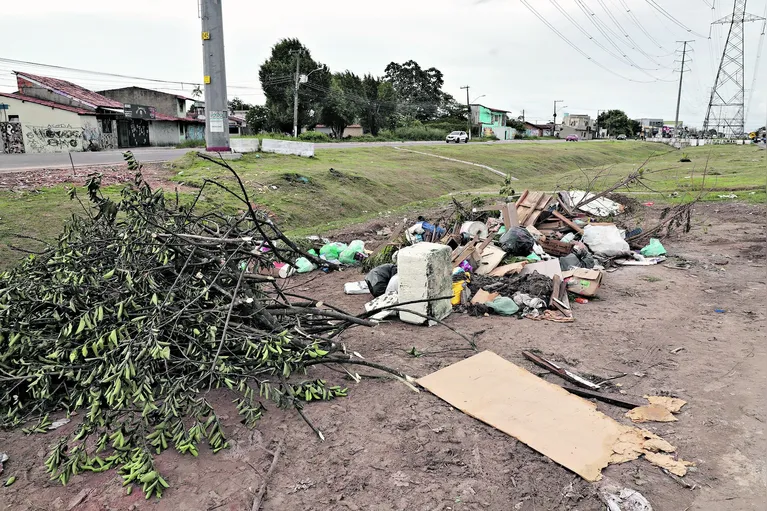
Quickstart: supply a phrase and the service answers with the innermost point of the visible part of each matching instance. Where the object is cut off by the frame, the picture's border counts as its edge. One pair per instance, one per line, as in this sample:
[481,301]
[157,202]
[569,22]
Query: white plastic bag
[605,240]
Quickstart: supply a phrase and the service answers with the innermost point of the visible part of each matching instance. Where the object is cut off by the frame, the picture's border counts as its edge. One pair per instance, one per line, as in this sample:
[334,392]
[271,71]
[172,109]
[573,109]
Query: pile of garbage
[529,257]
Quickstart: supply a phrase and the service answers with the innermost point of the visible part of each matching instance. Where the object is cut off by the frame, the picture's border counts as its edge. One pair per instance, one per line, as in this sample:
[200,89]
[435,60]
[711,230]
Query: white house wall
[53,130]
[163,133]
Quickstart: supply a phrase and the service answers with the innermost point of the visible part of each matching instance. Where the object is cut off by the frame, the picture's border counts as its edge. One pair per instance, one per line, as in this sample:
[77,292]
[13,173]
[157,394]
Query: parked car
[621,137]
[572,138]
[457,137]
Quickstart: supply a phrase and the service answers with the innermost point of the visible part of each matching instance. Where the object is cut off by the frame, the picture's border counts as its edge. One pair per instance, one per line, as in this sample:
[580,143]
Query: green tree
[238,104]
[277,75]
[419,91]
[616,122]
[379,106]
[258,118]
[516,124]
[344,103]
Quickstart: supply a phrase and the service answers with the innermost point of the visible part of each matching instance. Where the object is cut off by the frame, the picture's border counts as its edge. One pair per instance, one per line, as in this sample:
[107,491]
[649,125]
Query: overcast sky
[498,47]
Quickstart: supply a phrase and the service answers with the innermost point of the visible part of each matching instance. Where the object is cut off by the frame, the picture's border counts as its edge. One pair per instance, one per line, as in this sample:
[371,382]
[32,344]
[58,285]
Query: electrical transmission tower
[726,107]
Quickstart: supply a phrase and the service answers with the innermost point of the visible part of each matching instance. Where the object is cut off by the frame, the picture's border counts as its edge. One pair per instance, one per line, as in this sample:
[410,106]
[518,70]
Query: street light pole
[554,131]
[468,111]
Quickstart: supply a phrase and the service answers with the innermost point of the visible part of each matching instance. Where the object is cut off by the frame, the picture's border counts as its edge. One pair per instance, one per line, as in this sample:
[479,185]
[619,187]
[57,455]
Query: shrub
[314,136]
[190,143]
[413,133]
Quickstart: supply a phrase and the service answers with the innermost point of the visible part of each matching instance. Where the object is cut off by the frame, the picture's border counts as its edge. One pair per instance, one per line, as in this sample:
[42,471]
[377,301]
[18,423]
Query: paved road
[61,160]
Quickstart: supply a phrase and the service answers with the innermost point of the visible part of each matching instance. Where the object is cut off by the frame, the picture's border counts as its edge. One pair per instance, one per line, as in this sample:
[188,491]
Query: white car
[457,137]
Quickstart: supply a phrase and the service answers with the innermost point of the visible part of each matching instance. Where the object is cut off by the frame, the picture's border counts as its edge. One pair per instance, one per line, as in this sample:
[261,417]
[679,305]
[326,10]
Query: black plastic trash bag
[379,278]
[517,241]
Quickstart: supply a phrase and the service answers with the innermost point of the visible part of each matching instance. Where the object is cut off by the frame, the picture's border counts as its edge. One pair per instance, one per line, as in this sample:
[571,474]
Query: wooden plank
[541,205]
[546,417]
[513,218]
[568,222]
[555,247]
[506,218]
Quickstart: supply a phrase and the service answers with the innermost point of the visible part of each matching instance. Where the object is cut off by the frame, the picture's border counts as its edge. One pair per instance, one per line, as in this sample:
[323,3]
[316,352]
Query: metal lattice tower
[727,104]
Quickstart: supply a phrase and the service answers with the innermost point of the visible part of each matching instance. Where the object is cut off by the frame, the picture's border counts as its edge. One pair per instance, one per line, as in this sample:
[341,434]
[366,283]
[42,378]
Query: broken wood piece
[262,491]
[555,248]
[511,209]
[567,221]
[651,413]
[609,398]
[561,372]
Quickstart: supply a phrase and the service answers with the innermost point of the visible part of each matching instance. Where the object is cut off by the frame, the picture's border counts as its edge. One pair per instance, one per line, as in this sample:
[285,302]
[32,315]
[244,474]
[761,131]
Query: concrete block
[244,145]
[425,271]
[222,155]
[287,147]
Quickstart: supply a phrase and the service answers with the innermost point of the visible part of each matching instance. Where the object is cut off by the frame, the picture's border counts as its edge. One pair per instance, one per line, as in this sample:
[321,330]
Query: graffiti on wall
[195,132]
[11,137]
[94,139]
[53,138]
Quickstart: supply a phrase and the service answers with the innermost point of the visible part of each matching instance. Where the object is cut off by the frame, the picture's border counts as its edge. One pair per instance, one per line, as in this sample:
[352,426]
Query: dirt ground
[156,174]
[388,448]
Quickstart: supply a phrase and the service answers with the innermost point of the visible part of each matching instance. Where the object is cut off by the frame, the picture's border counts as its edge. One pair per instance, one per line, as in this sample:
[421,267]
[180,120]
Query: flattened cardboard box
[583,281]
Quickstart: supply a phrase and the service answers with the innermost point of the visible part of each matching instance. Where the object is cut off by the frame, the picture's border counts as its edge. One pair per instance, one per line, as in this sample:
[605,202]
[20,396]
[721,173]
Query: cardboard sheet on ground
[491,258]
[564,427]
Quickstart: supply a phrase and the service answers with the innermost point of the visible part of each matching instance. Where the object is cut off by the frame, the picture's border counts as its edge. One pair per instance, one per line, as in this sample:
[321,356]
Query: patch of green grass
[372,181]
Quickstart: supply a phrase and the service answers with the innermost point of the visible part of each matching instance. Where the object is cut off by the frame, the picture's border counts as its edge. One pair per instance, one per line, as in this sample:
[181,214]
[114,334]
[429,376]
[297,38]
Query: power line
[626,34]
[665,13]
[636,22]
[592,17]
[116,75]
[586,33]
[572,45]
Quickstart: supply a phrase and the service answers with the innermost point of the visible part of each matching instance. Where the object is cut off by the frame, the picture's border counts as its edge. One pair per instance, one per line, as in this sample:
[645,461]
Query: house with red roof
[53,115]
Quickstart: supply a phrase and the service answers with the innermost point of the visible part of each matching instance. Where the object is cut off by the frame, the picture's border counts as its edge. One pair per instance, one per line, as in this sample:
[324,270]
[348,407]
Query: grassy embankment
[373,180]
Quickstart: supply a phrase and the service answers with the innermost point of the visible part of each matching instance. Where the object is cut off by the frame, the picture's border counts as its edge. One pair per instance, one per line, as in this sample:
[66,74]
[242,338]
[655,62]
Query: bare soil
[156,174]
[388,448]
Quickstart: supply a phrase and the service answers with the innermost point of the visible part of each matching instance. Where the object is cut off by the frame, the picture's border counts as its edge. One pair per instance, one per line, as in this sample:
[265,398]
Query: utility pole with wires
[214,68]
[298,54]
[679,95]
[554,130]
[468,111]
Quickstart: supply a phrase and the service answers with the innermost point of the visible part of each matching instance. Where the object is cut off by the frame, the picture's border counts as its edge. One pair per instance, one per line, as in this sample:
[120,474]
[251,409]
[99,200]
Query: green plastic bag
[303,265]
[533,258]
[331,251]
[347,256]
[654,249]
[504,306]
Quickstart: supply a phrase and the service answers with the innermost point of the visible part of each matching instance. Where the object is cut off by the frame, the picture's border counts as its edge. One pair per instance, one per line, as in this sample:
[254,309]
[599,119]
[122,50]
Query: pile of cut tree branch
[138,310]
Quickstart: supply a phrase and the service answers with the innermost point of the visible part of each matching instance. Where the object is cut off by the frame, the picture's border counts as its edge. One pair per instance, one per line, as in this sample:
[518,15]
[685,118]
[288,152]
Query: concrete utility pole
[468,112]
[679,95]
[295,90]
[214,67]
[554,131]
